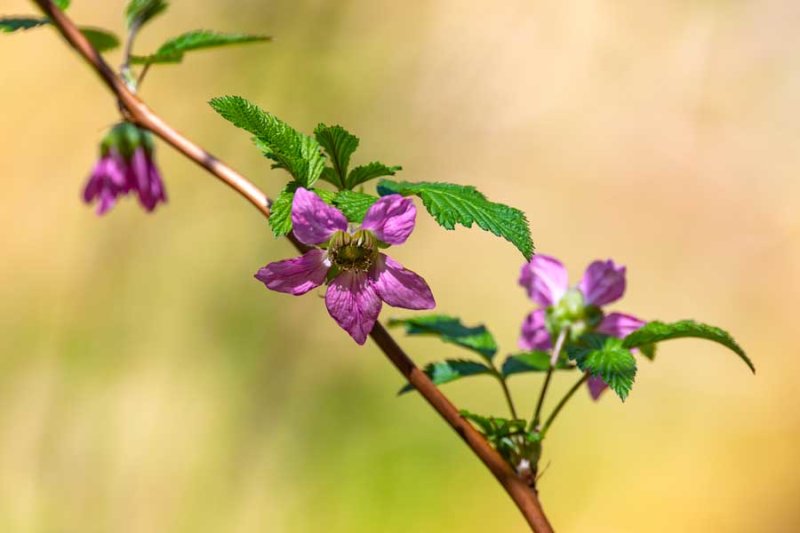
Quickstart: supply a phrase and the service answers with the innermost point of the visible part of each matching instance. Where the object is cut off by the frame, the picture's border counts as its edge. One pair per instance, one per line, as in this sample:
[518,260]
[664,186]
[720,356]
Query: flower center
[353,252]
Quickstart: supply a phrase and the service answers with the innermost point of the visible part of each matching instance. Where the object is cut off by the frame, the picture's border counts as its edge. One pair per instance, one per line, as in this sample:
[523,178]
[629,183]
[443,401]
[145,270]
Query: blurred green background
[148,383]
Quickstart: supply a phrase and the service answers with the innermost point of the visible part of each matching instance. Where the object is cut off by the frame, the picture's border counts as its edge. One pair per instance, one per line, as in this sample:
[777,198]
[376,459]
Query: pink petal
[603,283]
[619,325]
[400,287]
[353,304]
[296,276]
[391,219]
[313,220]
[545,279]
[534,332]
[596,387]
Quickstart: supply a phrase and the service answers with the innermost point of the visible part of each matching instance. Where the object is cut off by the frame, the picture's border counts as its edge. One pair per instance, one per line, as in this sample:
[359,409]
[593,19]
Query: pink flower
[361,277]
[545,280]
[126,165]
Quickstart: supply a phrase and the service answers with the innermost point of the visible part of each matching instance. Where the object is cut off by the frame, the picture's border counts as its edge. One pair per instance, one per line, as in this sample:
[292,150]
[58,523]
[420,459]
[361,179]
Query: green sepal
[450,370]
[450,329]
[451,204]
[654,332]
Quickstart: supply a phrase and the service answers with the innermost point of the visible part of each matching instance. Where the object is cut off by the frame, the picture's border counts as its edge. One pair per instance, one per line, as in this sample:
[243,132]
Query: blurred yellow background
[149,383]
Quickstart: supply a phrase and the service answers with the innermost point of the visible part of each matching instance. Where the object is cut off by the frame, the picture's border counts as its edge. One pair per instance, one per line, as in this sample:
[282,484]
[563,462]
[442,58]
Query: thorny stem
[534,425]
[562,403]
[525,499]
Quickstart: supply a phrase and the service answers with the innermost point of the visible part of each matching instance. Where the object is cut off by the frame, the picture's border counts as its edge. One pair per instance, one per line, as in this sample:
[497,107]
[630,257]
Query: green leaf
[654,332]
[450,329]
[280,213]
[370,171]
[12,24]
[62,4]
[605,357]
[453,204]
[102,40]
[450,370]
[173,50]
[536,361]
[353,204]
[504,434]
[140,12]
[299,154]
[648,350]
[339,144]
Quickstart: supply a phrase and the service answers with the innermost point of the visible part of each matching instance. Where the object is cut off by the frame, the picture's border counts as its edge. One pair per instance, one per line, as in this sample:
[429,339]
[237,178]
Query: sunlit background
[148,383]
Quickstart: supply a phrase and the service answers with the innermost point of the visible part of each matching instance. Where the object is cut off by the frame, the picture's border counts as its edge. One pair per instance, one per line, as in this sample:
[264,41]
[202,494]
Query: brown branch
[524,497]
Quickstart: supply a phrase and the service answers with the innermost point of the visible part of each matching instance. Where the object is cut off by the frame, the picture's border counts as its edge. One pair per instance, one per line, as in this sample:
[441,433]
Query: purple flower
[126,165]
[361,277]
[545,280]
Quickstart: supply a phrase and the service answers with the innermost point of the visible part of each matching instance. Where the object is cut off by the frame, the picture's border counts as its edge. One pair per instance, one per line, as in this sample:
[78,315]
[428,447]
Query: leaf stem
[562,403]
[507,394]
[562,335]
[125,68]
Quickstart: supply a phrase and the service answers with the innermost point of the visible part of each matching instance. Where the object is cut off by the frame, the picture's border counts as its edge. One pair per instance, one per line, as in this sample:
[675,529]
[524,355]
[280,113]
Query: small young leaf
[12,24]
[451,204]
[450,329]
[370,171]
[450,370]
[140,12]
[353,204]
[654,332]
[605,357]
[102,40]
[339,144]
[173,50]
[299,154]
[536,361]
[62,4]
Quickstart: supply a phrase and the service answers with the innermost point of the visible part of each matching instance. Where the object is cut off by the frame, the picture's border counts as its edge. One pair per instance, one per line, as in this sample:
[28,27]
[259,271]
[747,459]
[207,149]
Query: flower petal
[313,220]
[398,286]
[391,219]
[603,282]
[619,325]
[353,304]
[545,279]
[596,386]
[296,276]
[534,332]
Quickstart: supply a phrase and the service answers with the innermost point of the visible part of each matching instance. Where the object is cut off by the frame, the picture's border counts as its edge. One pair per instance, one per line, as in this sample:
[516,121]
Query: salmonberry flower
[576,310]
[360,278]
[126,165]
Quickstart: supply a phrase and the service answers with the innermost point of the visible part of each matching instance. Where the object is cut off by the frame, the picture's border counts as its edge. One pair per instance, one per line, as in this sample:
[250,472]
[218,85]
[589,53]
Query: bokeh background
[148,383]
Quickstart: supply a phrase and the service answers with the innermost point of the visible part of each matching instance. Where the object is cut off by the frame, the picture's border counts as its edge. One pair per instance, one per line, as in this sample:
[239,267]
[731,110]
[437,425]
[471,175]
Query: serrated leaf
[536,361]
[140,12]
[451,204]
[299,154]
[174,49]
[12,24]
[353,204]
[339,144]
[370,171]
[605,357]
[280,213]
[450,370]
[101,40]
[450,329]
[654,332]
